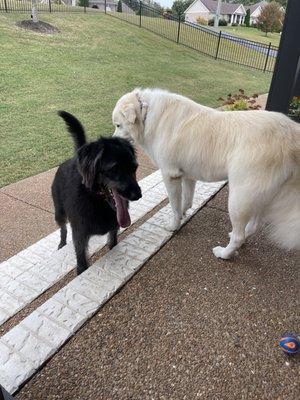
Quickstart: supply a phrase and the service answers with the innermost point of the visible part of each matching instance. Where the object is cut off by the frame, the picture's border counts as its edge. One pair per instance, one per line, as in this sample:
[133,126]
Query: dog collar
[106,195]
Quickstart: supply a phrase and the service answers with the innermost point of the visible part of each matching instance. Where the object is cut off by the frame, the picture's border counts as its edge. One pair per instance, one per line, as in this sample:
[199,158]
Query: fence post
[218,45]
[105,6]
[5,5]
[267,57]
[178,31]
[50,10]
[140,14]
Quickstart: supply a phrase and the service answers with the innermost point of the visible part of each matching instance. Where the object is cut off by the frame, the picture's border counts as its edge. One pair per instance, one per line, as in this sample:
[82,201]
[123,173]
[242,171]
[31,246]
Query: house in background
[255,11]
[111,5]
[232,13]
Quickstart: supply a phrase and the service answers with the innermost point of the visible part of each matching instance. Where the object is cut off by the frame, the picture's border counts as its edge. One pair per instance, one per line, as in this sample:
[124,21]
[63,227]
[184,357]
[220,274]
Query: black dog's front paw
[112,239]
[61,245]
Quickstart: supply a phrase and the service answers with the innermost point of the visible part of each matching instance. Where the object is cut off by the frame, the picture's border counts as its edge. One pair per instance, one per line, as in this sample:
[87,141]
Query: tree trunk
[34,12]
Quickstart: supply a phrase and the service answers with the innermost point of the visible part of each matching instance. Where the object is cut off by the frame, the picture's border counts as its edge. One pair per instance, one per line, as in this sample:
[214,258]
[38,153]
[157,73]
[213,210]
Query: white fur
[257,151]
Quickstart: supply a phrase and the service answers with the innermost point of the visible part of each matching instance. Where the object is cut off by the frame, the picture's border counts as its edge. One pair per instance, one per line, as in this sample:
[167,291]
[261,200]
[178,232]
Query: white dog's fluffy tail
[283,215]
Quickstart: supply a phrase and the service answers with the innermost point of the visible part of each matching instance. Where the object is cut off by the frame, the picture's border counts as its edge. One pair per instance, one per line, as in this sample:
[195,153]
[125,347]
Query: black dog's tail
[75,128]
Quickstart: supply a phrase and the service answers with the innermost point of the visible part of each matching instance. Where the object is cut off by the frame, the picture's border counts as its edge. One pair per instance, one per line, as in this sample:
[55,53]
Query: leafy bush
[201,21]
[83,3]
[247,18]
[294,109]
[234,24]
[222,22]
[119,6]
[239,102]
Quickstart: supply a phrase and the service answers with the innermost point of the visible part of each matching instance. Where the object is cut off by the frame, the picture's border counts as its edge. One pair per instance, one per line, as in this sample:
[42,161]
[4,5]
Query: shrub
[239,101]
[234,24]
[247,18]
[223,22]
[201,21]
[294,109]
[83,3]
[119,6]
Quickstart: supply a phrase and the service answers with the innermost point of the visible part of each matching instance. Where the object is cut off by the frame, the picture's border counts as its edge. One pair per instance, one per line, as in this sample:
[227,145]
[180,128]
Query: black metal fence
[218,45]
[49,6]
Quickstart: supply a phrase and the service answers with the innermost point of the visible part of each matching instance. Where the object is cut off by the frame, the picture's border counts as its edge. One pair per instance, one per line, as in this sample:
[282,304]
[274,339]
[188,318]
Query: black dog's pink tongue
[123,216]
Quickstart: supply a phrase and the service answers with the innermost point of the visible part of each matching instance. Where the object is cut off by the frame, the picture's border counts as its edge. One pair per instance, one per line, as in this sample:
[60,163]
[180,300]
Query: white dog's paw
[185,208]
[222,252]
[173,226]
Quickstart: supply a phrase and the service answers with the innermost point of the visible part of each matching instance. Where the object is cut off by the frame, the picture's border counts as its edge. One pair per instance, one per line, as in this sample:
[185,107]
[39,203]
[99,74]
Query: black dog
[92,189]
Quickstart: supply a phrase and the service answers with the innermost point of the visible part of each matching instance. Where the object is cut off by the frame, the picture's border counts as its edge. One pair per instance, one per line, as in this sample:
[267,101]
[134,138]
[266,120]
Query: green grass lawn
[252,34]
[84,69]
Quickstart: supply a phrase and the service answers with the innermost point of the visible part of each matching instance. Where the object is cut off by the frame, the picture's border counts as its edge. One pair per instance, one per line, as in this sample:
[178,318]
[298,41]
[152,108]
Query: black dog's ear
[88,158]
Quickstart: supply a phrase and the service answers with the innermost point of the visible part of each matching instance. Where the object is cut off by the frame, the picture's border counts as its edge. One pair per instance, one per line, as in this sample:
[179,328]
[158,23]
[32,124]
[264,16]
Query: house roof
[226,8]
[254,7]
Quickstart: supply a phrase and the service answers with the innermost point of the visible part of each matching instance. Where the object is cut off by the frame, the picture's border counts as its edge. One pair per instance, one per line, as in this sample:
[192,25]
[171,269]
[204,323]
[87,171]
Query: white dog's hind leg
[240,212]
[188,190]
[174,189]
[251,227]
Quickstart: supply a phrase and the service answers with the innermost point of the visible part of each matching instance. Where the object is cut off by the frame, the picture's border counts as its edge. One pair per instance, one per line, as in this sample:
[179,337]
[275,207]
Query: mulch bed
[39,27]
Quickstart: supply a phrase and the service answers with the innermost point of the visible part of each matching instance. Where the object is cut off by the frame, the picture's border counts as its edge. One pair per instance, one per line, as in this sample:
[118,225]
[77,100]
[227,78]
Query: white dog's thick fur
[257,151]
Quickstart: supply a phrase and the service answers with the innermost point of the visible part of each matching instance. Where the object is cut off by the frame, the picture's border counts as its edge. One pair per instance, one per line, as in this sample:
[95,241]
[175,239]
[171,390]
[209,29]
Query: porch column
[231,19]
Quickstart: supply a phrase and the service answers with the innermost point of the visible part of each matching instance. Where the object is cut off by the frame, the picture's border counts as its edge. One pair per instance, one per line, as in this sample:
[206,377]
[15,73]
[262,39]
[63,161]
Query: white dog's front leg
[174,189]
[188,190]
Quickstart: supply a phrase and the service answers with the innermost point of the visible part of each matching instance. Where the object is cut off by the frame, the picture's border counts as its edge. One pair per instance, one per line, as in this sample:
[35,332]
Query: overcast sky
[165,3]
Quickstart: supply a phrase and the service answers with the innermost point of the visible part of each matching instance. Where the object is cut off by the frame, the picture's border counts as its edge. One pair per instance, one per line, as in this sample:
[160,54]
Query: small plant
[239,102]
[294,109]
[201,21]
[234,24]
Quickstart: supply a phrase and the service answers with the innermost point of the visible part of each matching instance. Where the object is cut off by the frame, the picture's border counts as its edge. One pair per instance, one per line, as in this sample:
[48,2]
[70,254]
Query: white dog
[257,151]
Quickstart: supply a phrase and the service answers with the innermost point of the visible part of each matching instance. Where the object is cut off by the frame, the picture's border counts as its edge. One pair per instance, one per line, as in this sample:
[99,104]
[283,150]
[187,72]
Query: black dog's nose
[135,194]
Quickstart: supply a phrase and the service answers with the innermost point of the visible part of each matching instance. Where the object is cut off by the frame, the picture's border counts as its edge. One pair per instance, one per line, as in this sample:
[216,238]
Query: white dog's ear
[129,113]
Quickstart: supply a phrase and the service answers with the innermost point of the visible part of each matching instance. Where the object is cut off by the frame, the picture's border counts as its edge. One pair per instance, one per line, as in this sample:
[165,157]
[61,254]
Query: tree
[271,18]
[119,6]
[247,18]
[179,6]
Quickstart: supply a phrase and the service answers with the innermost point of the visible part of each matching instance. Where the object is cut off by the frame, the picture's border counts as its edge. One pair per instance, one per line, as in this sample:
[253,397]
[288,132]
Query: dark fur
[76,190]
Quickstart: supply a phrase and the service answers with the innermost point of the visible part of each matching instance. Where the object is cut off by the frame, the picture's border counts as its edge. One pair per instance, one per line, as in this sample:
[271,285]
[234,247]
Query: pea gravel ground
[188,326]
